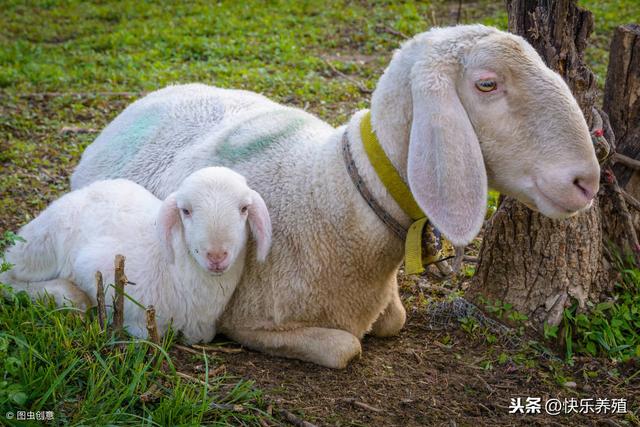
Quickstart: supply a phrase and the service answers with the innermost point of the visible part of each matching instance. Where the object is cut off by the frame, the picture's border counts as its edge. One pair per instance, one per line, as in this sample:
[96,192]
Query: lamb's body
[81,233]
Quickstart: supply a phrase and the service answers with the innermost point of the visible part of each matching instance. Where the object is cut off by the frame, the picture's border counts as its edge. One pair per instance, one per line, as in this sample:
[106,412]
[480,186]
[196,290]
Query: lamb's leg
[392,319]
[333,348]
[63,291]
[35,258]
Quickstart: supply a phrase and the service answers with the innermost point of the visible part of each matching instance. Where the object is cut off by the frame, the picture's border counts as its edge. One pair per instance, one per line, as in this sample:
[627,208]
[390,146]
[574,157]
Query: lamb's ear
[260,224]
[445,167]
[168,219]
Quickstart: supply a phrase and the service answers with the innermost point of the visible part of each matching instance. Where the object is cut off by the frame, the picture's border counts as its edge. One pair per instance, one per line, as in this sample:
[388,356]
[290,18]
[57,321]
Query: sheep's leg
[333,348]
[63,291]
[392,319]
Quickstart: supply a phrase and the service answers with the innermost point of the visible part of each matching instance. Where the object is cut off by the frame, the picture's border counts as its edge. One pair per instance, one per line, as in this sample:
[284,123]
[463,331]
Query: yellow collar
[399,190]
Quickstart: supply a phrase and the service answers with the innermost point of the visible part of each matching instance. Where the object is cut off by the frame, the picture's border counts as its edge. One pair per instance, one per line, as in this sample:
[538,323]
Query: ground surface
[415,379]
[66,70]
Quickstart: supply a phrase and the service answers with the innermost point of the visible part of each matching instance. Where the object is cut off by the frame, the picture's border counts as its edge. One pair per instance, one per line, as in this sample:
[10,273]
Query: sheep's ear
[445,167]
[168,219]
[260,224]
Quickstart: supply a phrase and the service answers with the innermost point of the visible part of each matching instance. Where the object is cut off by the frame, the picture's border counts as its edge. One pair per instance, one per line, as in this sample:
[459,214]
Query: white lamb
[185,255]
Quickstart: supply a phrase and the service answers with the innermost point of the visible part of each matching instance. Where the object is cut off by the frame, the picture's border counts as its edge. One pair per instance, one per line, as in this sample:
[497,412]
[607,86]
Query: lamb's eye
[486,85]
[186,212]
[244,209]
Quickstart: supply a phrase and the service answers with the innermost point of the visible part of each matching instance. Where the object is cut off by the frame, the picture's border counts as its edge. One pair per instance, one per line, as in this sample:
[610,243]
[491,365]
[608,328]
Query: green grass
[53,359]
[91,51]
[610,328]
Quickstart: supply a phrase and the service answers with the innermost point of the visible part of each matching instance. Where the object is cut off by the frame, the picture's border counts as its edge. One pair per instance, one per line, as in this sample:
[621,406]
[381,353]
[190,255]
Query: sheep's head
[213,208]
[487,111]
[533,136]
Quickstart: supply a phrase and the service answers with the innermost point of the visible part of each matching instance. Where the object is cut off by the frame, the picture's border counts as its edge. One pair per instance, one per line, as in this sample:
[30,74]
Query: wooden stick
[361,87]
[363,405]
[190,378]
[631,201]
[627,161]
[118,300]
[102,307]
[187,349]
[395,32]
[217,349]
[79,94]
[74,129]
[295,420]
[625,215]
[152,326]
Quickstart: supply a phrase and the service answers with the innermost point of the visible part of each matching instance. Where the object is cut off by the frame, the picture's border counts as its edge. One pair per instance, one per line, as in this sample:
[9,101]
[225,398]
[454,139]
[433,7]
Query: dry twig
[434,288]
[631,201]
[79,94]
[191,378]
[102,307]
[152,326]
[74,129]
[118,303]
[217,349]
[393,31]
[626,160]
[361,87]
[187,349]
[295,420]
[362,405]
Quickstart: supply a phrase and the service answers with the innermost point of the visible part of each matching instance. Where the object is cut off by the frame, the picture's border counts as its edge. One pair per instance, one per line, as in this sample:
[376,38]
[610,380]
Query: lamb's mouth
[216,270]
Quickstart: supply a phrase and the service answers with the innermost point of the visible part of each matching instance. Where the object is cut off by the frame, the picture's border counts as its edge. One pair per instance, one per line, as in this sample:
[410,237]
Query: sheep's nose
[587,185]
[217,257]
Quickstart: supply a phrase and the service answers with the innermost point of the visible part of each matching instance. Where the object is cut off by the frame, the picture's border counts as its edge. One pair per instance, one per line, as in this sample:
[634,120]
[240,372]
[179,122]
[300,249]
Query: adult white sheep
[456,107]
[185,255]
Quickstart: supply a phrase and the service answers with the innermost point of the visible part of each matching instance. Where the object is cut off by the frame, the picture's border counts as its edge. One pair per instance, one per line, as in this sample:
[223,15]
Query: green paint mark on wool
[131,137]
[259,133]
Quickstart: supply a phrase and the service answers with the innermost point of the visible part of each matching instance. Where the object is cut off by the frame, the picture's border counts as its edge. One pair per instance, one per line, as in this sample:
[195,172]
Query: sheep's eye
[486,85]
[244,209]
[186,212]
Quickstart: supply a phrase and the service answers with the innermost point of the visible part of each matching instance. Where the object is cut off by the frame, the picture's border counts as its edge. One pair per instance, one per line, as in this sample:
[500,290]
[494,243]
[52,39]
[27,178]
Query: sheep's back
[162,138]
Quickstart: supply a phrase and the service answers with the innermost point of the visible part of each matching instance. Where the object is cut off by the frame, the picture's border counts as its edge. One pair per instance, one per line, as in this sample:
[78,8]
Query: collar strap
[393,225]
[395,185]
[387,173]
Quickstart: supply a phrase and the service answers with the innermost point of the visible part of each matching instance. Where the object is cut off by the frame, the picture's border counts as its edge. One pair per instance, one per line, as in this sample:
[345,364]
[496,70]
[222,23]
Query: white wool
[165,251]
[331,275]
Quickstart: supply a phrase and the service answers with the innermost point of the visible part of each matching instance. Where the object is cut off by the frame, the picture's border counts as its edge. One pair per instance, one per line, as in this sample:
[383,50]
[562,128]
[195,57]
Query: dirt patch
[414,380]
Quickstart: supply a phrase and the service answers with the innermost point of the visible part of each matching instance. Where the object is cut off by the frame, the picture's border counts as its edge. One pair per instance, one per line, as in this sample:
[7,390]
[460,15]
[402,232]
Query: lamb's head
[485,109]
[213,209]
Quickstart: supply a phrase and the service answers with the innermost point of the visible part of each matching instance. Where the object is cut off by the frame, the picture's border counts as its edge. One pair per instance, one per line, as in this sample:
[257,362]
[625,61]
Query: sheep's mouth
[560,211]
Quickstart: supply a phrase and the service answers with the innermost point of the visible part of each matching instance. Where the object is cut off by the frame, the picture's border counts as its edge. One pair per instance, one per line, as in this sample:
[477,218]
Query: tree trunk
[537,264]
[622,104]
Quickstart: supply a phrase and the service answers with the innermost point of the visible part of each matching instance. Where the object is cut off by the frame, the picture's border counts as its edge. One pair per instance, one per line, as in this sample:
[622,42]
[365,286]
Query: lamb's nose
[217,256]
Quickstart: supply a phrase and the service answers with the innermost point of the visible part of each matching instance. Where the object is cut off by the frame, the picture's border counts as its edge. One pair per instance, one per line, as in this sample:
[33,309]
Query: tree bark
[622,104]
[537,264]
